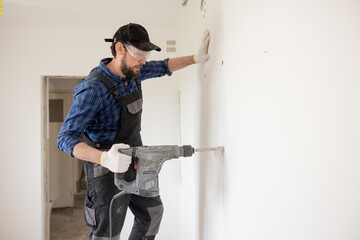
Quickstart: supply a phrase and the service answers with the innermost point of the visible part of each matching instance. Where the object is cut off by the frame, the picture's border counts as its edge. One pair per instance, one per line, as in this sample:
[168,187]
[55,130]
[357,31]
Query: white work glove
[203,55]
[114,160]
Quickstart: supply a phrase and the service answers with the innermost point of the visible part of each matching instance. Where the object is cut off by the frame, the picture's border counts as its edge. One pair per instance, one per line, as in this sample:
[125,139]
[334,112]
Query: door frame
[45,153]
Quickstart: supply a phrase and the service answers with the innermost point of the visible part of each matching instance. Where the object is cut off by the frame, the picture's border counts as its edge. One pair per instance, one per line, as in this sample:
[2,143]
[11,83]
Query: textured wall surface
[280,92]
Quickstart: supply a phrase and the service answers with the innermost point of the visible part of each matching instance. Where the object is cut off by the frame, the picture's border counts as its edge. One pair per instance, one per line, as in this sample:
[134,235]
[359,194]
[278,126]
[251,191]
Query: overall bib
[100,180]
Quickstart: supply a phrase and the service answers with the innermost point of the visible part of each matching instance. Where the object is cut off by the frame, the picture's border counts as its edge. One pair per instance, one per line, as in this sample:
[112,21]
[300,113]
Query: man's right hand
[114,160]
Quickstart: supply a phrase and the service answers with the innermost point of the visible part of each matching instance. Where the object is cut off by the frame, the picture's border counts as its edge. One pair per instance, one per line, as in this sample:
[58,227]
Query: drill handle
[120,176]
[130,152]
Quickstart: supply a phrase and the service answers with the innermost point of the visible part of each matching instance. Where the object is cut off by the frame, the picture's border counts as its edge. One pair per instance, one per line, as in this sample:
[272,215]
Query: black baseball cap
[135,35]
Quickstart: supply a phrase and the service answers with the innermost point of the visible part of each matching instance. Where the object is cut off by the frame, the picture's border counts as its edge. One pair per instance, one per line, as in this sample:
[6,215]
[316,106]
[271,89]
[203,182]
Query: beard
[129,71]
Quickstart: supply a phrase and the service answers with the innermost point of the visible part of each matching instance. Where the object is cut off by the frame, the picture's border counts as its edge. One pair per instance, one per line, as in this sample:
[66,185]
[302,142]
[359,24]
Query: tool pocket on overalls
[135,106]
[89,211]
[105,189]
[100,171]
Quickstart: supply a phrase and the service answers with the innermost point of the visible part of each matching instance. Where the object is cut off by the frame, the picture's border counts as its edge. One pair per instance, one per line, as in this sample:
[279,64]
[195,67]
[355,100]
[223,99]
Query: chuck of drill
[188,151]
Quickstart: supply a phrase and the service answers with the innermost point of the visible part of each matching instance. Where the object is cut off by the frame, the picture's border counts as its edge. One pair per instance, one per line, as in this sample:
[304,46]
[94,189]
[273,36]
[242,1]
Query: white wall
[281,94]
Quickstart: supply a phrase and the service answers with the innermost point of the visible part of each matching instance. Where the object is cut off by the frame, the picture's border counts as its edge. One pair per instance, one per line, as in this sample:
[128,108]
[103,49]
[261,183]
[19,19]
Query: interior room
[279,95]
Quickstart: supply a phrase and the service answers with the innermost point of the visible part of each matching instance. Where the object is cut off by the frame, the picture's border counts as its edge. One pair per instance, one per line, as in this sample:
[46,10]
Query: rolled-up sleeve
[86,103]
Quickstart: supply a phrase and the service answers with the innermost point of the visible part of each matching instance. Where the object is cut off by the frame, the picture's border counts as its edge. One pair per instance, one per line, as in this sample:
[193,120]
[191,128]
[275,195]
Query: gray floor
[69,223]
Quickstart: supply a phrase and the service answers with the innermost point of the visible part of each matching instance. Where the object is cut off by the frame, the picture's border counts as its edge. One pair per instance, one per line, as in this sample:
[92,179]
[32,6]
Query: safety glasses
[136,53]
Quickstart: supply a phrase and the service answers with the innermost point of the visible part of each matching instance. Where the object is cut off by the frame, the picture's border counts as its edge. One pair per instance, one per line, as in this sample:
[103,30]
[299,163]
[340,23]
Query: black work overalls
[100,181]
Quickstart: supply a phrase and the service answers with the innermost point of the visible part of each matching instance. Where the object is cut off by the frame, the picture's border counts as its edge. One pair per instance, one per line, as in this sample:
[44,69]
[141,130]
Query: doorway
[61,174]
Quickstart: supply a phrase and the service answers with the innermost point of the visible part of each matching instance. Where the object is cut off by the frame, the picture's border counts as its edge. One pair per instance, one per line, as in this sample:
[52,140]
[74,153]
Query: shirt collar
[108,72]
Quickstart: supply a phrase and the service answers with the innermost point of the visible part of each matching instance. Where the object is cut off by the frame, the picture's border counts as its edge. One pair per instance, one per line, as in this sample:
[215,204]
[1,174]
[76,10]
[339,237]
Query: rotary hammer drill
[148,163]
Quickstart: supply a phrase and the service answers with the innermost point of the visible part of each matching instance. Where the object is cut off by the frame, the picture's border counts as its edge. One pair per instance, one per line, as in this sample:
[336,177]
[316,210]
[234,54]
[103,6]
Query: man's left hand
[203,55]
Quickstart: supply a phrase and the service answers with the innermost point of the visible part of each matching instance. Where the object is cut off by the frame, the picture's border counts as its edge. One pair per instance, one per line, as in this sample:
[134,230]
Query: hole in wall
[203,2]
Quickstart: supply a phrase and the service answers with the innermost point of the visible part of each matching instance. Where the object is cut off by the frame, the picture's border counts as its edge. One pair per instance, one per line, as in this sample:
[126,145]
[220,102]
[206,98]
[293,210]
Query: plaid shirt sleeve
[154,69]
[86,103]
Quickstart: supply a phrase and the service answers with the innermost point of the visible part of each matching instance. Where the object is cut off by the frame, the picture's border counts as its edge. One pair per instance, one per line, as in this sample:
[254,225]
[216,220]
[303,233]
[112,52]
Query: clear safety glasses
[136,53]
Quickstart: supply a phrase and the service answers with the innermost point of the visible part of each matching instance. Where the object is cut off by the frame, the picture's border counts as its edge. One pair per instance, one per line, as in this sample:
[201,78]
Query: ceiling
[160,12]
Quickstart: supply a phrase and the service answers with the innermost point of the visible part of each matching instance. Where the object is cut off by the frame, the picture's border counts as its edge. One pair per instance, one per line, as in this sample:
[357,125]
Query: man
[106,110]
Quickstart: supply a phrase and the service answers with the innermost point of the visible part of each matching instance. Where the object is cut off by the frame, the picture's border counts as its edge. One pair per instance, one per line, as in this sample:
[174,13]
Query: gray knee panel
[156,216]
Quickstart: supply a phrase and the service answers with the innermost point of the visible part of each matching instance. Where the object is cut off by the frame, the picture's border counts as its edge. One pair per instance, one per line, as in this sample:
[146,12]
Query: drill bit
[221,148]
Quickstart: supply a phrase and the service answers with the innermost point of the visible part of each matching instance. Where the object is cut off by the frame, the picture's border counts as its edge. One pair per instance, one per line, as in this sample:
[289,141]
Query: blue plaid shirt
[95,111]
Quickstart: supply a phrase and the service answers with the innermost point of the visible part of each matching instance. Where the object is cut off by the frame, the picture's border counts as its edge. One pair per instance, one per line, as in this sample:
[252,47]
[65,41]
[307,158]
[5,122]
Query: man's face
[131,66]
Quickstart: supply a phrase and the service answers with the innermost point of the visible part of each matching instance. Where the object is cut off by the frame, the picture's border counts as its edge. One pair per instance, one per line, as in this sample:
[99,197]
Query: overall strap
[111,86]
[138,84]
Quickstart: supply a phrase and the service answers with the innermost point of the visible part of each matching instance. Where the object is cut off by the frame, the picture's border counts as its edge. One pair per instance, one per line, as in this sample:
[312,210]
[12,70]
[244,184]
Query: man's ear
[119,48]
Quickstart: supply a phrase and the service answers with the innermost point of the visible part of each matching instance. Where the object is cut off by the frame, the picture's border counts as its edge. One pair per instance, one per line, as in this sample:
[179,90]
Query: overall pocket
[135,106]
[100,171]
[89,211]
[105,189]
